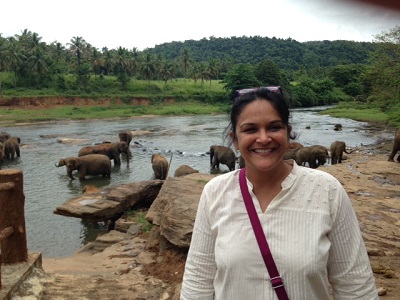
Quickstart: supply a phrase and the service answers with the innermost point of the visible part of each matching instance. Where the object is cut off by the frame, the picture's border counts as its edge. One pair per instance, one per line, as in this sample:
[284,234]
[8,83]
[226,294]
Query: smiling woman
[285,201]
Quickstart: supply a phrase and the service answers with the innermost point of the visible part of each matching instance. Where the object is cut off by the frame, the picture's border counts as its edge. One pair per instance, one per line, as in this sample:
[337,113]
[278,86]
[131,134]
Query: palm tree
[14,57]
[168,71]
[135,61]
[204,73]
[147,66]
[108,58]
[37,63]
[186,60]
[121,65]
[77,46]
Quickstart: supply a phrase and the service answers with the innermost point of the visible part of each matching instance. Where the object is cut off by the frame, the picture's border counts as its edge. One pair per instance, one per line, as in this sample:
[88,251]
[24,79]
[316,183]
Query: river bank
[128,270]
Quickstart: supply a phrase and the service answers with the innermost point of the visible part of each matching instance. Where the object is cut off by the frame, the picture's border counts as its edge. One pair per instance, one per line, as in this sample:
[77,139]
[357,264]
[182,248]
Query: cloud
[144,24]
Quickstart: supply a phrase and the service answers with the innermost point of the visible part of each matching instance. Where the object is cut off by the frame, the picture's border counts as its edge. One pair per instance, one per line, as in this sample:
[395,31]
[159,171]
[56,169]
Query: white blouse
[311,229]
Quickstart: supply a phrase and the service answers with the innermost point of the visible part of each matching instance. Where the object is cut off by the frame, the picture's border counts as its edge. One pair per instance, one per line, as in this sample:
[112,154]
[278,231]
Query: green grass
[139,217]
[109,87]
[358,112]
[18,115]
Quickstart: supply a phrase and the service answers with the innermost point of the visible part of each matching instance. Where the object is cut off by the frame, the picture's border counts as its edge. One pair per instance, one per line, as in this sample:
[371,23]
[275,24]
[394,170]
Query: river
[185,138]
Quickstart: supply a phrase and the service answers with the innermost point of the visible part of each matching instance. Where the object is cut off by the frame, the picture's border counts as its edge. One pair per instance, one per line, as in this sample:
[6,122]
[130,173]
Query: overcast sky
[146,23]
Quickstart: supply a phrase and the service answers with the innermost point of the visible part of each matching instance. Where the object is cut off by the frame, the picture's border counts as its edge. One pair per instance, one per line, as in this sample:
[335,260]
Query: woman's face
[262,137]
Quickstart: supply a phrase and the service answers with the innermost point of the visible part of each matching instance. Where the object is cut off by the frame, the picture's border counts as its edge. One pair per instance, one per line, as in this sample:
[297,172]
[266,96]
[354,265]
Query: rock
[382,291]
[108,239]
[111,202]
[133,230]
[123,225]
[175,207]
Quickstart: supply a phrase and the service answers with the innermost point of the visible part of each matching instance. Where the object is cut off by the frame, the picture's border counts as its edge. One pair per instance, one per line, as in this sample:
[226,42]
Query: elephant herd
[313,156]
[96,160]
[316,155]
[9,146]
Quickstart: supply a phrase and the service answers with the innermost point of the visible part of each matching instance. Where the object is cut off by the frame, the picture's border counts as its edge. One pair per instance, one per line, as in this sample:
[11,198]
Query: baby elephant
[91,164]
[160,166]
[337,148]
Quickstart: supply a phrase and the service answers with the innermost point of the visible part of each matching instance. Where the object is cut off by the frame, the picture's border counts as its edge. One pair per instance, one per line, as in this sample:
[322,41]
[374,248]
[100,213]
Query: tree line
[311,73]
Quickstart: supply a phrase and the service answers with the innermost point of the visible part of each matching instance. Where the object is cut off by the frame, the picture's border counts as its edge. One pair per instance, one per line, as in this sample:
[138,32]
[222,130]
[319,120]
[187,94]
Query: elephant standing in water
[313,155]
[222,155]
[91,164]
[396,146]
[125,136]
[160,166]
[337,148]
[112,150]
[11,148]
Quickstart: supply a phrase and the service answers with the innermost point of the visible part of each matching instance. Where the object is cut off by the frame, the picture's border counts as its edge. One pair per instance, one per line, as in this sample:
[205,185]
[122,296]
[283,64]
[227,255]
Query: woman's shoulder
[316,173]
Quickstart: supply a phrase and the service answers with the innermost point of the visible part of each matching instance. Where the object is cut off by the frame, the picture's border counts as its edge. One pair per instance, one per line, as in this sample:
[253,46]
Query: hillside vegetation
[361,75]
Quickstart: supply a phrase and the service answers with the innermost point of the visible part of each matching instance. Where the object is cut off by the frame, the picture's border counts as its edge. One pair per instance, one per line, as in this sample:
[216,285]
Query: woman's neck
[269,178]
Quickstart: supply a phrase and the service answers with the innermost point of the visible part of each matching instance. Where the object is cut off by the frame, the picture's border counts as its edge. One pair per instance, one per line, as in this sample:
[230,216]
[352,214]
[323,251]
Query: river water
[185,138]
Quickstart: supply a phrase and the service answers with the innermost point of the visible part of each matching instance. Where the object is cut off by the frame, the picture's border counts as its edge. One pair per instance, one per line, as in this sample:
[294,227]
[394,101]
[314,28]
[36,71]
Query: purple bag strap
[276,280]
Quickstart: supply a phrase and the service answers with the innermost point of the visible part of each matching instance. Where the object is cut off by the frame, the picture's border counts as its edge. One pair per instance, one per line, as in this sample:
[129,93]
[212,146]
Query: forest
[310,73]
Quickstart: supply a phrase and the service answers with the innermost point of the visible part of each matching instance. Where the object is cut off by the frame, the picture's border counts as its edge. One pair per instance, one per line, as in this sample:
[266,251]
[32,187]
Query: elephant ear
[74,163]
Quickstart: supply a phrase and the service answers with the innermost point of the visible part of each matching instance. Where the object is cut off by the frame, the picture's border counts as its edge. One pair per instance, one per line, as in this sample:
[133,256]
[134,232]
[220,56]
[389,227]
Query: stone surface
[13,275]
[110,202]
[174,209]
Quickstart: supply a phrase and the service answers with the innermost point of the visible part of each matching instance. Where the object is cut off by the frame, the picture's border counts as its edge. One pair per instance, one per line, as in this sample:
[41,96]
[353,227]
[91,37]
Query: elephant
[4,136]
[184,170]
[313,155]
[11,147]
[337,127]
[295,145]
[2,154]
[396,146]
[337,148]
[125,136]
[290,153]
[91,164]
[222,155]
[112,150]
[160,166]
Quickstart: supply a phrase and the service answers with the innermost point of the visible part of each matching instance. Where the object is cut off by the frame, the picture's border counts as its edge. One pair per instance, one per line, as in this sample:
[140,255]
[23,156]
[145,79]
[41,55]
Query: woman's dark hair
[276,99]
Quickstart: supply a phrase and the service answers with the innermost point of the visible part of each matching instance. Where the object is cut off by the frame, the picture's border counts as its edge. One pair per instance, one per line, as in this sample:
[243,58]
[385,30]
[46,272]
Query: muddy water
[185,138]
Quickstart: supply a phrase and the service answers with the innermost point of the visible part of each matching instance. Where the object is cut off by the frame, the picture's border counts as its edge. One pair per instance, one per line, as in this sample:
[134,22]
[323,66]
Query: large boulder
[174,209]
[111,202]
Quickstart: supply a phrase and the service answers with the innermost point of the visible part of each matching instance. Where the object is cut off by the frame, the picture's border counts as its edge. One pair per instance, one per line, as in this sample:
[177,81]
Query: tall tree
[241,76]
[121,66]
[385,72]
[147,67]
[268,73]
[77,46]
[186,60]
